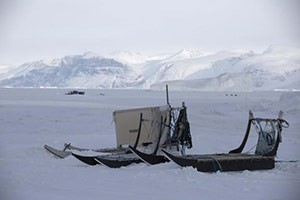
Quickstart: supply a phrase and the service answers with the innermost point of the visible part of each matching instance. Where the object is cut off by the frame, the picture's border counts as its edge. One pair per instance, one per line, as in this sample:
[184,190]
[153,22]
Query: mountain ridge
[278,67]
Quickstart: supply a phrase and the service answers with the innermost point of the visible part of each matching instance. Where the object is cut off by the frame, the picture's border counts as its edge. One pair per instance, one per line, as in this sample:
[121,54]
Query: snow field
[30,118]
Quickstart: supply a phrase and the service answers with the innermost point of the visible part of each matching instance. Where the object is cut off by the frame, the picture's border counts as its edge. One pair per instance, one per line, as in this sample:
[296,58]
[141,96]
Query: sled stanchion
[241,147]
[278,138]
[167,95]
[67,146]
[139,131]
[160,134]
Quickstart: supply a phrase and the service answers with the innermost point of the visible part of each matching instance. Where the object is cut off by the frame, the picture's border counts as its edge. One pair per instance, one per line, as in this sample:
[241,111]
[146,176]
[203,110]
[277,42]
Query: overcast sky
[36,29]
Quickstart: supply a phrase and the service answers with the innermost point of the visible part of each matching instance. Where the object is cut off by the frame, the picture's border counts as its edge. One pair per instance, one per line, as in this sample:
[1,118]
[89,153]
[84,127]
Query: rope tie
[214,163]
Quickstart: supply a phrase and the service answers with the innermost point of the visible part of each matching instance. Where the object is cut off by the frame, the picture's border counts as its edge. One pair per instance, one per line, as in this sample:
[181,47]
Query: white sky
[37,29]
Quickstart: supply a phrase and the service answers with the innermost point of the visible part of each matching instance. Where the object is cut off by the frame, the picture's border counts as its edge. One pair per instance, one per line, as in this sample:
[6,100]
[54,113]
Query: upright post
[167,94]
[241,147]
[139,132]
[162,123]
[170,115]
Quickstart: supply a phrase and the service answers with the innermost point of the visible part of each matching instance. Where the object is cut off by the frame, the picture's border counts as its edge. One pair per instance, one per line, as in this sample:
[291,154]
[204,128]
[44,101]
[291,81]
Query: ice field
[30,118]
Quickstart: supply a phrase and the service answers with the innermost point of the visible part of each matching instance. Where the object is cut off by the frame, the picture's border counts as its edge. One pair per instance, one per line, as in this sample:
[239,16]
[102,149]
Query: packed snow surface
[30,118]
[278,67]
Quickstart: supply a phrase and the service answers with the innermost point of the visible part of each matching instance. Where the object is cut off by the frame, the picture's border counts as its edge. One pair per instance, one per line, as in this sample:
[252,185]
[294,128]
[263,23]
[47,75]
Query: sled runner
[223,162]
[89,160]
[269,138]
[69,150]
[150,159]
[117,161]
[103,150]
[56,152]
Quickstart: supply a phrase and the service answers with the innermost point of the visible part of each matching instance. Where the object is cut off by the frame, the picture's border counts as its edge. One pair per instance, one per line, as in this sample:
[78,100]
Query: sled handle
[241,147]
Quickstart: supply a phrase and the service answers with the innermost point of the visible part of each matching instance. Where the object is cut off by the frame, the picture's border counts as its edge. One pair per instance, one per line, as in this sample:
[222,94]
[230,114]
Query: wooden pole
[167,94]
[160,134]
[139,132]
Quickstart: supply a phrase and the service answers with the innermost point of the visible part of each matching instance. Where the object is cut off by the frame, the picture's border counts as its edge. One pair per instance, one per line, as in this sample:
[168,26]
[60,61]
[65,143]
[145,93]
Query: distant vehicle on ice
[75,92]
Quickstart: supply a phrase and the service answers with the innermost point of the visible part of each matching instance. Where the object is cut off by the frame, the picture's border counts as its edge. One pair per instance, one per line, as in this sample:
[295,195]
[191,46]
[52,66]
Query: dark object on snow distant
[231,95]
[75,92]
[269,137]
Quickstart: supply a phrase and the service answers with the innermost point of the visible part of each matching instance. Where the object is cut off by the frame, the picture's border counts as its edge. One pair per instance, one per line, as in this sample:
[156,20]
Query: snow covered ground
[30,118]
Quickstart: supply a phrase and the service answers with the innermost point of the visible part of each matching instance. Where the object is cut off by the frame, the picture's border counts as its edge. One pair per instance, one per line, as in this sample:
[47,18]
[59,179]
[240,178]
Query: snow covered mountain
[277,67]
[4,69]
[127,57]
[83,71]
[183,66]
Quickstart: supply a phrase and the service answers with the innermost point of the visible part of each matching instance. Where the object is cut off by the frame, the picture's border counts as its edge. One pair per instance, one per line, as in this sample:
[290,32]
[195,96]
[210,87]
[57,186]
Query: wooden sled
[235,160]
